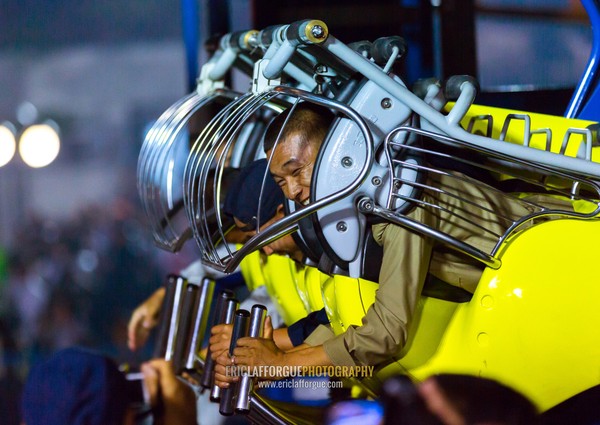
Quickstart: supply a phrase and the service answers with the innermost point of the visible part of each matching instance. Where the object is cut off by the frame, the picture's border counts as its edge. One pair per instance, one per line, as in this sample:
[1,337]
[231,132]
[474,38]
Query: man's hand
[144,319]
[251,352]
[172,401]
[222,375]
[220,340]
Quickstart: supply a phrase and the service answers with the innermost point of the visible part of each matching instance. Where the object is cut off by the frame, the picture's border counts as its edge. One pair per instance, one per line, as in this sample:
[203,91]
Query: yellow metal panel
[346,303]
[347,300]
[331,306]
[558,126]
[280,275]
[301,279]
[309,287]
[351,305]
[251,269]
[534,324]
[280,279]
[314,280]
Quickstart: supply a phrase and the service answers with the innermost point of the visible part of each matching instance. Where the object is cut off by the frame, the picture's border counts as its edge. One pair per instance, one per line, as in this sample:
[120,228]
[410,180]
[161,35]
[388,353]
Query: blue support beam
[585,103]
[190,18]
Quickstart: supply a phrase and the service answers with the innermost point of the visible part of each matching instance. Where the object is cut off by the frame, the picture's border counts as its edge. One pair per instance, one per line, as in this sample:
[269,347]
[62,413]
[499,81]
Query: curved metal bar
[157,135]
[199,163]
[438,120]
[287,222]
[493,153]
[463,247]
[428,204]
[156,173]
[211,154]
[149,145]
[151,169]
[263,414]
[589,80]
[164,163]
[367,206]
[230,131]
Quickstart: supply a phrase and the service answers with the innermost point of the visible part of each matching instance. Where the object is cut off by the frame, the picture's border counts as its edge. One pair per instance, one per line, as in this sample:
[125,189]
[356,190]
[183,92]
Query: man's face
[292,163]
[282,246]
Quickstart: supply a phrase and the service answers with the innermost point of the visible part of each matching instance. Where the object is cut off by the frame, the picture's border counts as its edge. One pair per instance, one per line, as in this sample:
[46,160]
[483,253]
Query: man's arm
[144,318]
[285,339]
[172,401]
[264,352]
[384,328]
[259,352]
[221,337]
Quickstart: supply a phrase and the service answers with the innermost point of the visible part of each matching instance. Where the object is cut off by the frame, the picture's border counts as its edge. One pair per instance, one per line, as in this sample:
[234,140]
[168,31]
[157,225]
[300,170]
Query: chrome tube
[258,313]
[200,322]
[240,330]
[177,286]
[190,296]
[228,316]
[218,317]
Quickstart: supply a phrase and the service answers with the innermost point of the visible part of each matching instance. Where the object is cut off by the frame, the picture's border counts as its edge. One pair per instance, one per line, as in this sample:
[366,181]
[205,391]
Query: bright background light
[39,145]
[7,145]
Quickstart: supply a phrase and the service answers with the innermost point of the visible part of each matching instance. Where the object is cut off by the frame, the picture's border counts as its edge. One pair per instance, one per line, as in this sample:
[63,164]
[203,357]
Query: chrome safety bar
[210,153]
[543,178]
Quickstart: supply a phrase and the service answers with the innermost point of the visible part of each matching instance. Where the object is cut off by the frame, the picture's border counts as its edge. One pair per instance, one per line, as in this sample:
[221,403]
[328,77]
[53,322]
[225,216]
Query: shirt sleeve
[301,329]
[321,334]
[383,332]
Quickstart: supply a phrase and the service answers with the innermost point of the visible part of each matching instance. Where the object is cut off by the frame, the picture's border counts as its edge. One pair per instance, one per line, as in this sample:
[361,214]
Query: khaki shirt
[409,256]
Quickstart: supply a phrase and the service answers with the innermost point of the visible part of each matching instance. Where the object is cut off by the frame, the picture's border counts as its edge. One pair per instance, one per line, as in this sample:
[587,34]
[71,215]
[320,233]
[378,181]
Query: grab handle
[244,386]
[209,365]
[240,330]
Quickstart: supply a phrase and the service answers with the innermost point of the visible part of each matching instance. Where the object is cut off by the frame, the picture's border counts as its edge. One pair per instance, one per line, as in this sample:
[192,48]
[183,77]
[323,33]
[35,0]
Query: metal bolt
[321,69]
[347,162]
[386,103]
[253,40]
[376,181]
[317,31]
[365,205]
[341,226]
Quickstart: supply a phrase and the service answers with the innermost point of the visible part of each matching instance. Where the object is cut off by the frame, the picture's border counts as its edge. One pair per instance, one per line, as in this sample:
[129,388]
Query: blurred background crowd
[74,282]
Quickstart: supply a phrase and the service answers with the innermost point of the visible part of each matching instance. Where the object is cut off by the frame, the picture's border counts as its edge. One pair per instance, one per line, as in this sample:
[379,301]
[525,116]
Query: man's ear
[280,211]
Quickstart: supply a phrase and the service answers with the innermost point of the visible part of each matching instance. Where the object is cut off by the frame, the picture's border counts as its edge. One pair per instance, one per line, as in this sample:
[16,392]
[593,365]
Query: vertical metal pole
[218,315]
[436,29]
[240,330]
[188,302]
[228,317]
[587,91]
[191,38]
[200,322]
[244,387]
[167,331]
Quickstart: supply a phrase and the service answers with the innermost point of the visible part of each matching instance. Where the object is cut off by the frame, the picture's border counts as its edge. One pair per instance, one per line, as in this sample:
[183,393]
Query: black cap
[242,199]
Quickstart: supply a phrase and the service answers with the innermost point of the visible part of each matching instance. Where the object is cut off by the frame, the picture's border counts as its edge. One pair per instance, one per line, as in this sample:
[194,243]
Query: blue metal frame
[585,103]
[190,22]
